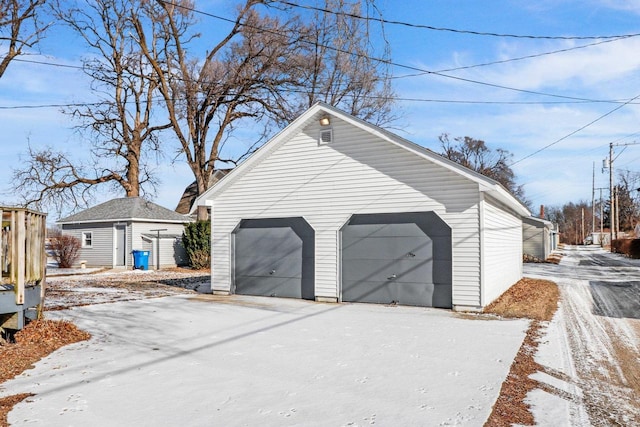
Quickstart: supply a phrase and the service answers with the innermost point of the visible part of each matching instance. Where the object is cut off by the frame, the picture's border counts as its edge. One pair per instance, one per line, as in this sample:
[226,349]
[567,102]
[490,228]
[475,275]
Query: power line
[576,131]
[423,100]
[454,30]
[408,67]
[388,62]
[538,55]
[42,106]
[52,64]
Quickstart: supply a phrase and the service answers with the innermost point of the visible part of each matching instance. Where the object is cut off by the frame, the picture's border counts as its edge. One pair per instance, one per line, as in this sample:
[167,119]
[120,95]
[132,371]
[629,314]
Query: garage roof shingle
[128,208]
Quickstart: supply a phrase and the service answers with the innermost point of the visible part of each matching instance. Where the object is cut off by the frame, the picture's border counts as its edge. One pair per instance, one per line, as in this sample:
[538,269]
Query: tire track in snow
[600,312]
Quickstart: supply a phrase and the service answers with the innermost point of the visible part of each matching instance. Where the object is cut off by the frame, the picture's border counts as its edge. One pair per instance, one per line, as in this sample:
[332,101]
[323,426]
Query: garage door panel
[256,240]
[384,230]
[442,272]
[415,293]
[396,247]
[274,257]
[269,266]
[401,257]
[389,270]
[363,291]
[269,286]
[408,293]
[442,296]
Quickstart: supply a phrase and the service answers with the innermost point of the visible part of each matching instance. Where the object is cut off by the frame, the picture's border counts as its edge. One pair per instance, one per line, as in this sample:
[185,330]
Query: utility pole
[601,203]
[593,199]
[601,219]
[582,233]
[617,212]
[611,206]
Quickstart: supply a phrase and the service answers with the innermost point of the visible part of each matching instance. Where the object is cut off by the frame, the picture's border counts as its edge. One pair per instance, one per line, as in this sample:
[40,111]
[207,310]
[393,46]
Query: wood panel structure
[23,262]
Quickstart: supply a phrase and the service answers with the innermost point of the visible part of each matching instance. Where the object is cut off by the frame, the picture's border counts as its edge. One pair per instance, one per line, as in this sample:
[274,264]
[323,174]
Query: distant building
[109,232]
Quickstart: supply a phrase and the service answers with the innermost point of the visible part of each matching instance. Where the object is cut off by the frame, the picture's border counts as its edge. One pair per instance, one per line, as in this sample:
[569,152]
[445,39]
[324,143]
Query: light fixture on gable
[324,121]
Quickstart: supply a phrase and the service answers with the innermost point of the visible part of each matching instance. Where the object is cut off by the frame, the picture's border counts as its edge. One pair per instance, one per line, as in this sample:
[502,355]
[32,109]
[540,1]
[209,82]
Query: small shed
[109,232]
[538,237]
[23,264]
[336,209]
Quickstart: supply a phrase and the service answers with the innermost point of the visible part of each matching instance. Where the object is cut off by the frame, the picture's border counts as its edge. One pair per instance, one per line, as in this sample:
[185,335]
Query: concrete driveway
[249,361]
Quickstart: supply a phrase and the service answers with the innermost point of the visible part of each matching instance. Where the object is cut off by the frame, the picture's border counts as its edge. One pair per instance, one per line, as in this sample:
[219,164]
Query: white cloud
[581,68]
[625,5]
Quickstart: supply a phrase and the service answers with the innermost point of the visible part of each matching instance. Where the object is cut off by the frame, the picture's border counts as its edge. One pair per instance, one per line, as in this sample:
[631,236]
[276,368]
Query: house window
[87,239]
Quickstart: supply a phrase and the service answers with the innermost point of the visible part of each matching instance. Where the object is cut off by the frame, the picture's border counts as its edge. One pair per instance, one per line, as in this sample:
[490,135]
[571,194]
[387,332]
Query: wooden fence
[23,262]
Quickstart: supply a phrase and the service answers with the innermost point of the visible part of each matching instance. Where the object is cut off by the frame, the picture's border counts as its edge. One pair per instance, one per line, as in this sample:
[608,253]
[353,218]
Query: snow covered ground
[233,361]
[201,360]
[590,356]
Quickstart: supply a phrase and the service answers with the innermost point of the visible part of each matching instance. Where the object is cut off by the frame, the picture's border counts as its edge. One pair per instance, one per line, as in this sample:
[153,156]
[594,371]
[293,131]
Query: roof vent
[326,136]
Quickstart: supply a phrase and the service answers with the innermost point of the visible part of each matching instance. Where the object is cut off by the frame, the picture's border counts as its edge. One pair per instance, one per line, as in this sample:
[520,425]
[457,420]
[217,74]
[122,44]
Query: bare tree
[241,77]
[265,69]
[627,198]
[20,28]
[475,155]
[342,64]
[572,219]
[120,129]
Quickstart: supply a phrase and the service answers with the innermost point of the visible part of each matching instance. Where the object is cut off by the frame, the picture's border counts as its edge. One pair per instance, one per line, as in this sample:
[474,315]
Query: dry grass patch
[529,298]
[36,341]
[532,299]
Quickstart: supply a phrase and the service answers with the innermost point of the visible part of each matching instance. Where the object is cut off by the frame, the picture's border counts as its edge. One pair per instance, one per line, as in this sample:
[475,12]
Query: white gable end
[357,173]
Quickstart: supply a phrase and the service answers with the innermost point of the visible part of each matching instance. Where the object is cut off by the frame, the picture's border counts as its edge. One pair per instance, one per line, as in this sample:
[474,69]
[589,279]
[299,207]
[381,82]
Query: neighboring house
[538,237]
[336,209]
[191,192]
[109,232]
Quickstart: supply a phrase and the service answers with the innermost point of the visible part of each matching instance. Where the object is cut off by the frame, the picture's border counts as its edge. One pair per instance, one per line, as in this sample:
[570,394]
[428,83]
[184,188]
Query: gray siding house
[109,232]
[336,209]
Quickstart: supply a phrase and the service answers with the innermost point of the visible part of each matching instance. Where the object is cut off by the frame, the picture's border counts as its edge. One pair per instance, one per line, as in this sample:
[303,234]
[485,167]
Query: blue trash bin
[140,259]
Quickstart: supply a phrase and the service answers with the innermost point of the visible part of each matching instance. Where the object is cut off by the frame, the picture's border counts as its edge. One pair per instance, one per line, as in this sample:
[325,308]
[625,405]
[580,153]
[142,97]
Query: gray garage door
[275,257]
[403,258]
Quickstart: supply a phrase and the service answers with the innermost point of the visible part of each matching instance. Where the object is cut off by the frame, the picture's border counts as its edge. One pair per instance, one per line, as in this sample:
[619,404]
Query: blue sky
[430,105]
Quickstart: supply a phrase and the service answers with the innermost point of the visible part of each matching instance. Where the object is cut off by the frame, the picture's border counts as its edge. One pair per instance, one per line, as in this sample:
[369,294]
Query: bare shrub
[629,247]
[66,249]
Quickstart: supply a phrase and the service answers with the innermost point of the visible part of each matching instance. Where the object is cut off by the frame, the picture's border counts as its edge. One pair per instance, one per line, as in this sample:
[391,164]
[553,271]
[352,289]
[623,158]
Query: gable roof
[538,222]
[191,192]
[320,109]
[125,209]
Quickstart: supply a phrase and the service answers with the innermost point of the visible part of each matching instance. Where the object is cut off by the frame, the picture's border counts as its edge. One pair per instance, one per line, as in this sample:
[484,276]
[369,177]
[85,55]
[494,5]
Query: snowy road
[591,358]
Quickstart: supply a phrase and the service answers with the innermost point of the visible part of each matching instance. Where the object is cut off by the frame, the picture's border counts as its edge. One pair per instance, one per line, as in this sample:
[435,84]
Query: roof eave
[93,221]
[485,183]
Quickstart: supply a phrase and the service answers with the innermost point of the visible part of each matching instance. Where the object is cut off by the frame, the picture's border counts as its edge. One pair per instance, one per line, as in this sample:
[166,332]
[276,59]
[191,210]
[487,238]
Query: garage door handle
[392,277]
[272,272]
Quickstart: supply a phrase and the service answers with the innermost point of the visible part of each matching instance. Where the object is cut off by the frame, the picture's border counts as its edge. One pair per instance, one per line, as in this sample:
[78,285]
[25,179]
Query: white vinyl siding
[100,254]
[502,246]
[536,239]
[171,251]
[357,173]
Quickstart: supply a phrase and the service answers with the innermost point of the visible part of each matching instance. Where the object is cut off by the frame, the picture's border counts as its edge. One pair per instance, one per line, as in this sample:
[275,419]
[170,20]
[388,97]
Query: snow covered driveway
[592,353]
[234,361]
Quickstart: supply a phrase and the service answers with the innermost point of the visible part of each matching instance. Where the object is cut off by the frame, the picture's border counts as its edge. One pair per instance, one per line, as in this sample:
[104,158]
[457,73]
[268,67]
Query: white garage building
[336,209]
